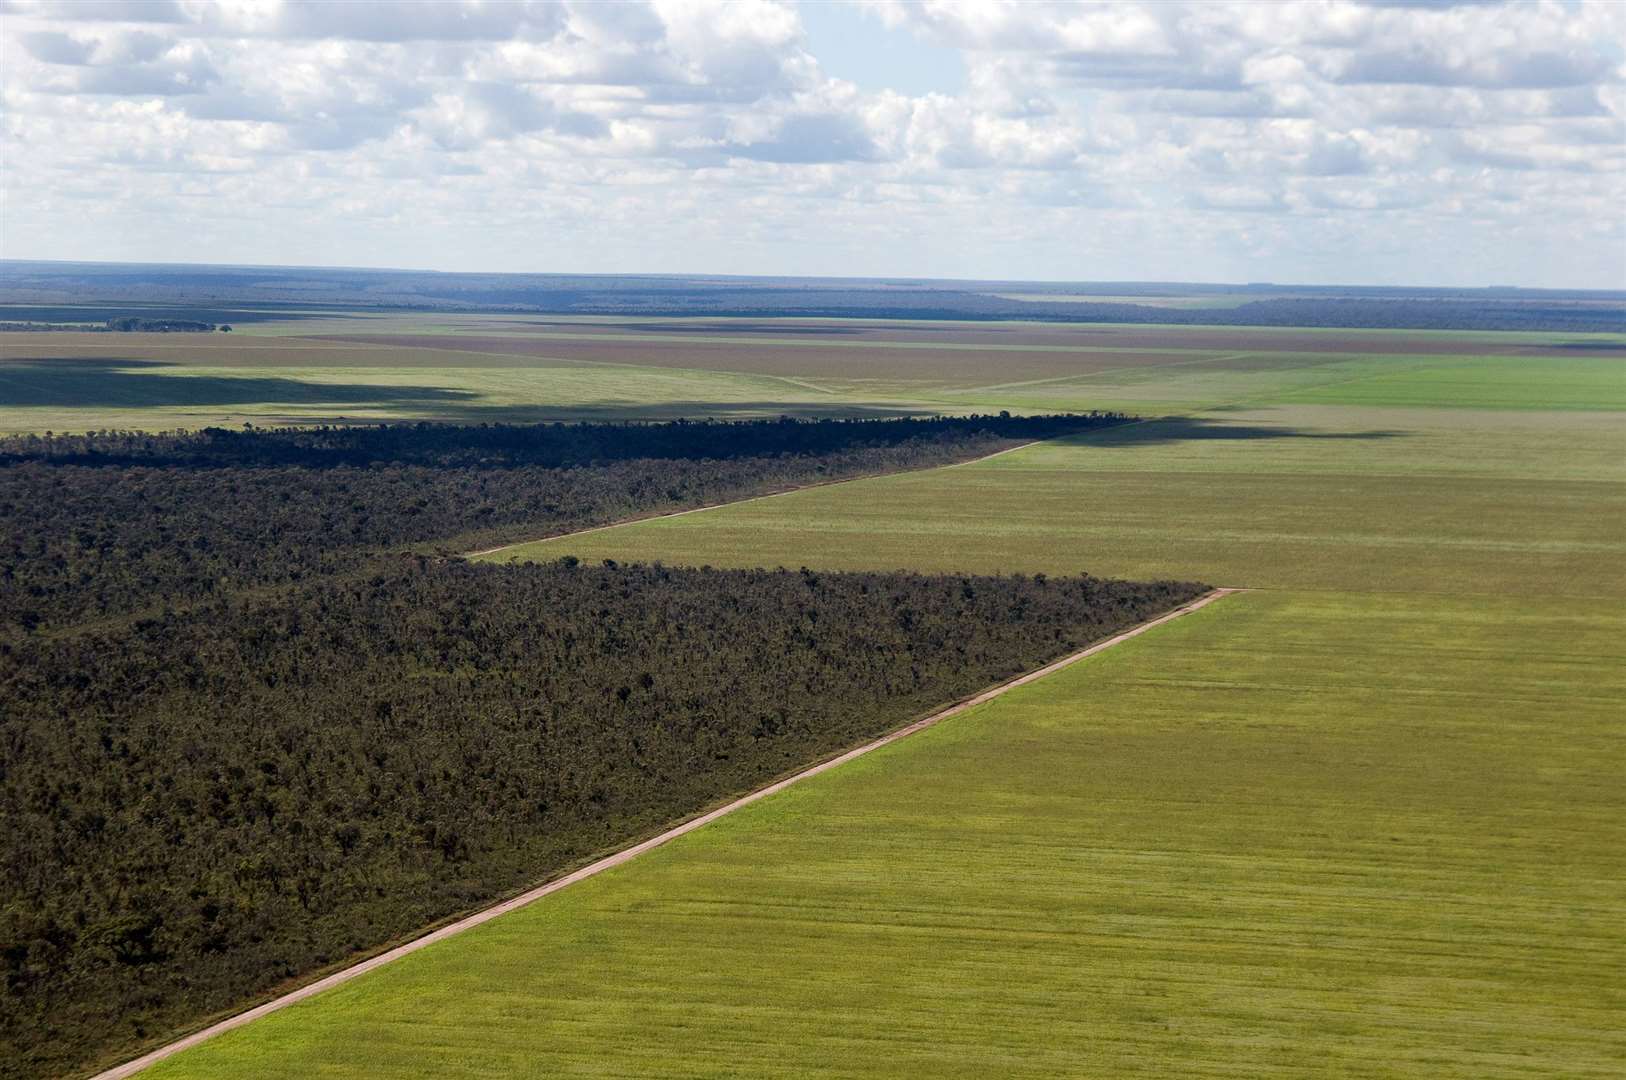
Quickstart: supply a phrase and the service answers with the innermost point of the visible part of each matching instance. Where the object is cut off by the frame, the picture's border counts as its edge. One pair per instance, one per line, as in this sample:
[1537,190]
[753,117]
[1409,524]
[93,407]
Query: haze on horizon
[1323,141]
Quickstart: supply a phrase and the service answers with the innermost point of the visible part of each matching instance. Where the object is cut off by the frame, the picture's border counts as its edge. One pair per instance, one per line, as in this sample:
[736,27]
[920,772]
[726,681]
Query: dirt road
[628,854]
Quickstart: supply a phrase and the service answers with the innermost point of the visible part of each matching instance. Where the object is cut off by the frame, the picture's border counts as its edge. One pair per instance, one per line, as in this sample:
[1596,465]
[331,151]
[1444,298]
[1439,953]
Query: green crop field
[1446,501]
[1366,820]
[1267,840]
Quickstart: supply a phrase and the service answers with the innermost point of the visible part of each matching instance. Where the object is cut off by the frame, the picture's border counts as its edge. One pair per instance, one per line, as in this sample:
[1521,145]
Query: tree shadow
[138,384]
[1206,429]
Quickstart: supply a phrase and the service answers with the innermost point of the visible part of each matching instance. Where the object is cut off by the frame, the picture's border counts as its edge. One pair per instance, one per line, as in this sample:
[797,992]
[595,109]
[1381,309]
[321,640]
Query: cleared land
[1264,840]
[1440,502]
[367,368]
[73,382]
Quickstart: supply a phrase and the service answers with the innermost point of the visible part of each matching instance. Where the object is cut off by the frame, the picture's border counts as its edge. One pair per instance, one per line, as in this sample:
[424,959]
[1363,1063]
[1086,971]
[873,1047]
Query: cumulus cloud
[1088,140]
[818,137]
[422,20]
[122,11]
[54,47]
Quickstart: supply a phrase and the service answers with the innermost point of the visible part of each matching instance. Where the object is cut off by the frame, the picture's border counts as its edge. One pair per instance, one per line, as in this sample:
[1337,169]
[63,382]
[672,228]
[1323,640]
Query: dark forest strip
[100,526]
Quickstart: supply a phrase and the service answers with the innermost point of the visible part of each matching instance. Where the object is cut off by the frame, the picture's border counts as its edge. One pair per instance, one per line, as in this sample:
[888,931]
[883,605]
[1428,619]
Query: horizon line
[702,275]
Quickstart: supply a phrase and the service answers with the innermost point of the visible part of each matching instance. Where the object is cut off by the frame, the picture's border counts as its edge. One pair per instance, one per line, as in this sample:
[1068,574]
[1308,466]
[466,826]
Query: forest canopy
[115,523]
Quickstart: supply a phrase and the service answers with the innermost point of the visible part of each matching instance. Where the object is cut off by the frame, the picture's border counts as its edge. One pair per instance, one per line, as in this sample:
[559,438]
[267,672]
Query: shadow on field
[612,410]
[1589,346]
[136,384]
[1198,429]
[140,383]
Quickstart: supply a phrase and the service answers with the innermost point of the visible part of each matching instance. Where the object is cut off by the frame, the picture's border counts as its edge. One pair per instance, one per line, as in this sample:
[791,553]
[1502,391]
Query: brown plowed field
[227,351]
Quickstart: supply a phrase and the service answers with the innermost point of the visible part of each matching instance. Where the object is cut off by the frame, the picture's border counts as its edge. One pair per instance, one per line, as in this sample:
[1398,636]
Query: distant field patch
[1318,499]
[158,386]
[1307,531]
[925,363]
[248,351]
[1074,335]
[1337,440]
[1579,380]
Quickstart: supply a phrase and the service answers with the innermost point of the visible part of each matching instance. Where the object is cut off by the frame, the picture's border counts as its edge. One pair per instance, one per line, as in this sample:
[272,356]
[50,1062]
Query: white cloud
[1200,139]
[54,47]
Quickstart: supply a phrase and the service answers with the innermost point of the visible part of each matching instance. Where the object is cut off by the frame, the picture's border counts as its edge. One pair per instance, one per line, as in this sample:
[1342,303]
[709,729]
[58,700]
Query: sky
[1299,141]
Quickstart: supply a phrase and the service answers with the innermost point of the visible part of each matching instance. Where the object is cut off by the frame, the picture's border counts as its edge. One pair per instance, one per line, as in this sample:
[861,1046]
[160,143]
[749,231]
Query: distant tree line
[508,445]
[37,328]
[121,324]
[135,324]
[219,294]
[1319,312]
[199,805]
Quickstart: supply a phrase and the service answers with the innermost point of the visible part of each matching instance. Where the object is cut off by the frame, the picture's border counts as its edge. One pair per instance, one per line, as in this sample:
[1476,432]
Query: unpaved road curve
[130,1068]
[742,502]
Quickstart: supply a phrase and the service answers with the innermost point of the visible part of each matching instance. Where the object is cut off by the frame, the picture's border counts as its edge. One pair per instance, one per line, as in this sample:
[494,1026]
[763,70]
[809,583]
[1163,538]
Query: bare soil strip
[737,502]
[625,855]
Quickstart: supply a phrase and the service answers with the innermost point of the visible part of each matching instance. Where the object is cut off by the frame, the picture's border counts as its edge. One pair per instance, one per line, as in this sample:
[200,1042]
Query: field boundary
[625,855]
[749,499]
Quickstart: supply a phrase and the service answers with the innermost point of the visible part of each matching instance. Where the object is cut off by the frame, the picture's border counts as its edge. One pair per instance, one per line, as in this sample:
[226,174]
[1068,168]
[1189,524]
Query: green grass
[1419,501]
[1579,382]
[1292,835]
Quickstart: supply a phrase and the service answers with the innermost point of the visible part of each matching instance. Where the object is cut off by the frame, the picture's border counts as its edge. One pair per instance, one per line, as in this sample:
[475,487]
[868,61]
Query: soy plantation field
[1270,839]
[1440,500]
[1363,820]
